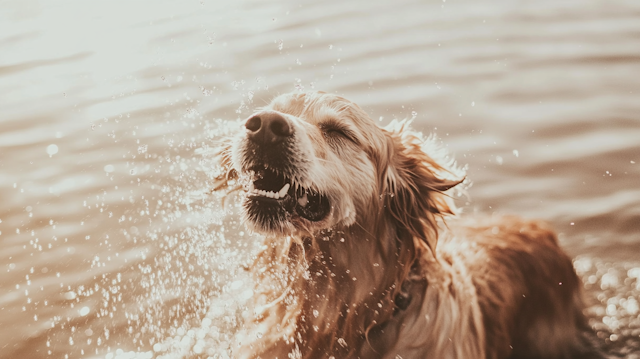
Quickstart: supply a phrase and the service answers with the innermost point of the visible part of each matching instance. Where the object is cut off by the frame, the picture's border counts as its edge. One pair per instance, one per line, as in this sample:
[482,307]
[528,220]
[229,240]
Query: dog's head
[315,161]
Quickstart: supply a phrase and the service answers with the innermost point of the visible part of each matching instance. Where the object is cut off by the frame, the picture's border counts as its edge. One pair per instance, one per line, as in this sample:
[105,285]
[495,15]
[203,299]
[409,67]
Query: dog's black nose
[268,128]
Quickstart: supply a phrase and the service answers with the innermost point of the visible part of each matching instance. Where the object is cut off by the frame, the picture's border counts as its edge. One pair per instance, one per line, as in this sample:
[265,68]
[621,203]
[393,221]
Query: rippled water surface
[111,245]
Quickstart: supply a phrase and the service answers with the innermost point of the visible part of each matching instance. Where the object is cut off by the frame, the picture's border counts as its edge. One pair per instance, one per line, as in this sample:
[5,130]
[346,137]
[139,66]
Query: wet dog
[358,262]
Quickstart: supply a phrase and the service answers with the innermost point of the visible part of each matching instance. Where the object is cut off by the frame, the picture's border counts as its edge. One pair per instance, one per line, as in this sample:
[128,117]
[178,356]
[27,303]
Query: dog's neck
[336,294]
[359,273]
[346,285]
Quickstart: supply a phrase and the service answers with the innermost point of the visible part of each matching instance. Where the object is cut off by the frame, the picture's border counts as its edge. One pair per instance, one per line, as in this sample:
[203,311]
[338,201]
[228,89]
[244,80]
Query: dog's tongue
[313,207]
[302,201]
[309,205]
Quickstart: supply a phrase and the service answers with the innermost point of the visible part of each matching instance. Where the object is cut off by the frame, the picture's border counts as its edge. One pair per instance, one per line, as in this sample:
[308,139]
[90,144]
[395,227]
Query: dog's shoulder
[508,248]
[489,232]
[522,279]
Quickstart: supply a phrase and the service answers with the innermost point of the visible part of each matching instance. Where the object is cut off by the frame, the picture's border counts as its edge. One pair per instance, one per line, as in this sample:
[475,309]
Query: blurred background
[111,245]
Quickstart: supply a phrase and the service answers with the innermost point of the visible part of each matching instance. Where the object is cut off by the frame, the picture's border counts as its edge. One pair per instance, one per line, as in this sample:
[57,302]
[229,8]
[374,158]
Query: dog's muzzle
[272,163]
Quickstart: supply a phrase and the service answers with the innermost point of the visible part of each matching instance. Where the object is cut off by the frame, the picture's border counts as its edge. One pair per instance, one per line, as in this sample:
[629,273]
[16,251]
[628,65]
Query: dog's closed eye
[333,130]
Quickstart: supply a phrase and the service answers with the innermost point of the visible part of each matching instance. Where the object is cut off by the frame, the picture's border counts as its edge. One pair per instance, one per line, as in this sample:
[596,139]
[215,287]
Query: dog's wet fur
[358,261]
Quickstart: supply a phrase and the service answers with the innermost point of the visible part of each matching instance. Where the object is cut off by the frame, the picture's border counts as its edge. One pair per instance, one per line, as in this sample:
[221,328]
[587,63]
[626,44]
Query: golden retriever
[357,261]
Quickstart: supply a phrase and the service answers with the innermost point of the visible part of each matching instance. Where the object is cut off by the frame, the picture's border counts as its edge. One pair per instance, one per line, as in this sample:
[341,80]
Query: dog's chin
[272,205]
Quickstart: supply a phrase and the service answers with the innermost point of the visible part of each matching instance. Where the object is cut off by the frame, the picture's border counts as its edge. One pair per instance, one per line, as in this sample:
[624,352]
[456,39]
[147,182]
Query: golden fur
[381,276]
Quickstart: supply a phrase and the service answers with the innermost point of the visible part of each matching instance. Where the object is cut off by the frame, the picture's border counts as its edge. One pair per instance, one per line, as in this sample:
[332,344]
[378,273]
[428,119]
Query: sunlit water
[111,245]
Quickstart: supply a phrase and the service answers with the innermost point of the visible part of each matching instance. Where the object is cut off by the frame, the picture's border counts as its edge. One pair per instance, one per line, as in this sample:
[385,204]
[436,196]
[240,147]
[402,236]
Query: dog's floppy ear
[413,183]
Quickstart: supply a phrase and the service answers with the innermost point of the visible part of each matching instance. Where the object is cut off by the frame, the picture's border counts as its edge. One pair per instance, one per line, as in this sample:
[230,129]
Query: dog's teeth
[284,190]
[269,194]
[303,200]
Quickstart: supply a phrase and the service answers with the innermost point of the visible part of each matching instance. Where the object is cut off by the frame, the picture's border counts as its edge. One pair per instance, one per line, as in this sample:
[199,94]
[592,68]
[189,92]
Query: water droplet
[516,153]
[613,337]
[632,306]
[237,285]
[52,150]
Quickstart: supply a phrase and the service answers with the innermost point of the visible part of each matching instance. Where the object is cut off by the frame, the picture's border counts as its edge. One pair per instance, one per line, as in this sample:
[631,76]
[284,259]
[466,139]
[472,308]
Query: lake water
[111,246]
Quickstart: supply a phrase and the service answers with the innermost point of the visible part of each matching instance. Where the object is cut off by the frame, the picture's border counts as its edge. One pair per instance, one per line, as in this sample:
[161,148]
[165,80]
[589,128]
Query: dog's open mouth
[272,197]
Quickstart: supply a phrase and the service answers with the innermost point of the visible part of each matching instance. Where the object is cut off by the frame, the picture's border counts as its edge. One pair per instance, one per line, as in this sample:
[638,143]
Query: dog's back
[527,289]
